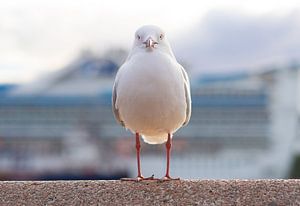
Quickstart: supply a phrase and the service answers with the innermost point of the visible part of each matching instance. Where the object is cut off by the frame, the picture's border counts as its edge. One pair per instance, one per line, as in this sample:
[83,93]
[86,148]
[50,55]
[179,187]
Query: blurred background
[58,60]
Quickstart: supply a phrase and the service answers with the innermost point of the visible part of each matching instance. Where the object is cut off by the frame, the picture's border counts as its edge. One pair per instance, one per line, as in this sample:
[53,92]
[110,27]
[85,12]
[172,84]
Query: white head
[151,38]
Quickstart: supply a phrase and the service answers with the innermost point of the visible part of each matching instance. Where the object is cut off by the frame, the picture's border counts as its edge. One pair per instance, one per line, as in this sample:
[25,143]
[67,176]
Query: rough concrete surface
[183,192]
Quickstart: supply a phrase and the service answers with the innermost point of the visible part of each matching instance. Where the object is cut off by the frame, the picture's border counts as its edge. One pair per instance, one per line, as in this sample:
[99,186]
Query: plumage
[115,109]
[187,97]
[151,93]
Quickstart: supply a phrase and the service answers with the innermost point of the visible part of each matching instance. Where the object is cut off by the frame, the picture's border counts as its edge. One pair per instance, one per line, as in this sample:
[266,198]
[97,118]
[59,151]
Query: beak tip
[149,43]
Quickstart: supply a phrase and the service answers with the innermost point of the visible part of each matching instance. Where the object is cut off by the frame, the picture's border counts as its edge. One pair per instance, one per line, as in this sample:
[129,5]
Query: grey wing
[187,96]
[114,108]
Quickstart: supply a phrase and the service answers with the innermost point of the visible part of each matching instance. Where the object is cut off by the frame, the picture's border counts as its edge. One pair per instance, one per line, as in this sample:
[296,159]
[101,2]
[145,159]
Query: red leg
[168,147]
[138,149]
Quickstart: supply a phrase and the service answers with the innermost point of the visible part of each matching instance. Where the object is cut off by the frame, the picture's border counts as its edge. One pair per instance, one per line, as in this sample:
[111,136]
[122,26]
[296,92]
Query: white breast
[150,96]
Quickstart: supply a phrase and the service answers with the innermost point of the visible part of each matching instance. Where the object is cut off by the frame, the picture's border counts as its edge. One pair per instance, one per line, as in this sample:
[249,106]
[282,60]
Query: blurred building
[243,125]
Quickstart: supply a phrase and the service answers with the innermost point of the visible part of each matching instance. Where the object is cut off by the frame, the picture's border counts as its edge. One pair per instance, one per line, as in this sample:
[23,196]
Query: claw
[168,178]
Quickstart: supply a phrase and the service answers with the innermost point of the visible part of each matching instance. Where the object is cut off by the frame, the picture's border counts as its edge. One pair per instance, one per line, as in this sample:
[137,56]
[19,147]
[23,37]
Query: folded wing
[187,96]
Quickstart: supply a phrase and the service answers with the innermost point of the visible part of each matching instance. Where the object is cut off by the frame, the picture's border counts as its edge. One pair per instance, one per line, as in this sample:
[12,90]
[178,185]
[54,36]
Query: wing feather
[187,96]
[114,108]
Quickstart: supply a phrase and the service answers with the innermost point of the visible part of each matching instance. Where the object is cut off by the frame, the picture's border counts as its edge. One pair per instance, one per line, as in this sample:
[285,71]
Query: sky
[38,36]
[231,41]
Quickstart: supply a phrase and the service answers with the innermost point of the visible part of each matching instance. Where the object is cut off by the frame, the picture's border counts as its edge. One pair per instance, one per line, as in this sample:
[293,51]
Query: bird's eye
[161,36]
[138,37]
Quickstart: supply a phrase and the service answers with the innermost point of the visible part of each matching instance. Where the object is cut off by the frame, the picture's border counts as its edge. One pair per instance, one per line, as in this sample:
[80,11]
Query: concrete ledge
[184,192]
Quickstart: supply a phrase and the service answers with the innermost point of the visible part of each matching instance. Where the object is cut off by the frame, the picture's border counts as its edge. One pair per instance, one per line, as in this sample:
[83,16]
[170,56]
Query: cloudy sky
[228,41]
[37,36]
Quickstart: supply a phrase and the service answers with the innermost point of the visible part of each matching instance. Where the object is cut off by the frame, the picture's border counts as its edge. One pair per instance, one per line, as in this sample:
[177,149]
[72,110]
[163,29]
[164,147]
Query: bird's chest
[153,86]
[152,80]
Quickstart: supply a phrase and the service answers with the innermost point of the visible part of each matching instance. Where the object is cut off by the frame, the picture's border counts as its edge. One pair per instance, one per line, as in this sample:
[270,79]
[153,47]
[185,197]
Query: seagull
[151,93]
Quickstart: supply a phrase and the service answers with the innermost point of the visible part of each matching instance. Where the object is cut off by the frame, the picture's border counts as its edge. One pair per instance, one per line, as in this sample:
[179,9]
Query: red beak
[150,43]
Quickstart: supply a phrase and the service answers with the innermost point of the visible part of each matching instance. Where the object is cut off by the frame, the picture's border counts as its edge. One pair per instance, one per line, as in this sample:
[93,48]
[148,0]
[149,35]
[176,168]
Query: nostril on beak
[150,43]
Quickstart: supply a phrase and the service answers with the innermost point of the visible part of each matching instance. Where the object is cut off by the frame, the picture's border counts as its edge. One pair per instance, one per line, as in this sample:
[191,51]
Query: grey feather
[187,96]
[114,108]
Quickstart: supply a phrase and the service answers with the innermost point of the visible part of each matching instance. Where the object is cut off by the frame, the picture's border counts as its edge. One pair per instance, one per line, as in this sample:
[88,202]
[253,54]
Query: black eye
[138,37]
[161,36]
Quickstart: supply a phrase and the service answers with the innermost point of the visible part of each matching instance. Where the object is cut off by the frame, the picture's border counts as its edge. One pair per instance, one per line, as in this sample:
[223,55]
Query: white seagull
[151,94]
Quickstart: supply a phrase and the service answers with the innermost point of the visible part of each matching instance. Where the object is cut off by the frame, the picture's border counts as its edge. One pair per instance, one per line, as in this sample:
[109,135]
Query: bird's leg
[138,149]
[168,147]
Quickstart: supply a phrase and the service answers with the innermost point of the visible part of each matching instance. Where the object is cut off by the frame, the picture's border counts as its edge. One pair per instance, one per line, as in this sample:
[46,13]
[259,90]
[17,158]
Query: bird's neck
[160,51]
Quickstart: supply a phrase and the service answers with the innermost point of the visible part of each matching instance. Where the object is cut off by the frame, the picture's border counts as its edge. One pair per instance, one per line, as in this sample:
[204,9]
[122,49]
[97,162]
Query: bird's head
[151,38]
